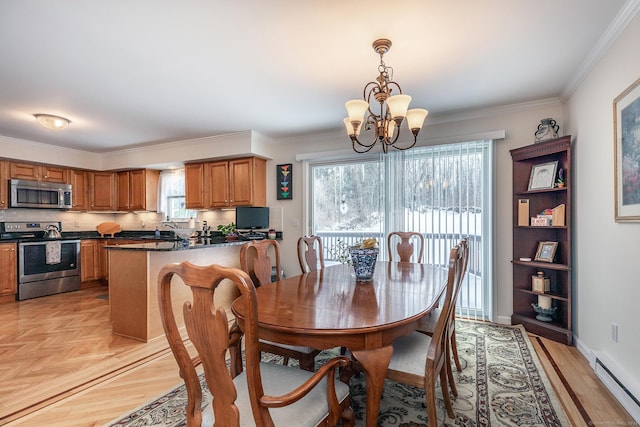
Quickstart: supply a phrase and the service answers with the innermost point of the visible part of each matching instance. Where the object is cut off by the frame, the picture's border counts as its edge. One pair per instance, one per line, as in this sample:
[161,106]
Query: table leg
[375,364]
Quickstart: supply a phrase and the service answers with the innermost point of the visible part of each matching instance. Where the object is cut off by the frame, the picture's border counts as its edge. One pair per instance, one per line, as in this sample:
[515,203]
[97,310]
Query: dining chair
[429,327]
[406,246]
[255,261]
[310,253]
[418,359]
[271,394]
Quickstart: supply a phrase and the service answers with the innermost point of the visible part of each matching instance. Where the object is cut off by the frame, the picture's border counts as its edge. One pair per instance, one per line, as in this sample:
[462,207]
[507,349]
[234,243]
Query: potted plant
[229,231]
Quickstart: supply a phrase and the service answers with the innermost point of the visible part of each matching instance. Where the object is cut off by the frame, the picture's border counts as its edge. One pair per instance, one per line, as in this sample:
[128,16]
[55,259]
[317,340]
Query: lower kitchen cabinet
[9,264]
[91,268]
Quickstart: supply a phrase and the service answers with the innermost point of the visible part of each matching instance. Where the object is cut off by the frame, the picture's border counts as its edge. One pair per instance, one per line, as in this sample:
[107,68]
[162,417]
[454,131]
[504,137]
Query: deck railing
[437,246]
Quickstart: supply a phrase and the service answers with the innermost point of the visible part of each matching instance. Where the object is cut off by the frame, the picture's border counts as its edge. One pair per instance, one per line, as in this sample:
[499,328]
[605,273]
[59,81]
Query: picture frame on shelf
[626,128]
[543,176]
[546,251]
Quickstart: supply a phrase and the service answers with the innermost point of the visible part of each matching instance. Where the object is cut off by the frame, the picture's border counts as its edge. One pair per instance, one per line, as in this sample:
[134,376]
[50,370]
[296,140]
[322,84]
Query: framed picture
[626,128]
[284,178]
[543,176]
[546,251]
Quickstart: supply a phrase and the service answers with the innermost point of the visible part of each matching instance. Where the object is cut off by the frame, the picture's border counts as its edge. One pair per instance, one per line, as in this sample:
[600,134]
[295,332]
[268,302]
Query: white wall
[607,271]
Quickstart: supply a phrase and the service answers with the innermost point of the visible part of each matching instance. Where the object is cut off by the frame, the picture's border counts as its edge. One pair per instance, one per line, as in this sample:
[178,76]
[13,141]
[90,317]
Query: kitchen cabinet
[102,191]
[9,264]
[79,185]
[194,185]
[138,190]
[4,187]
[528,235]
[228,183]
[90,260]
[39,172]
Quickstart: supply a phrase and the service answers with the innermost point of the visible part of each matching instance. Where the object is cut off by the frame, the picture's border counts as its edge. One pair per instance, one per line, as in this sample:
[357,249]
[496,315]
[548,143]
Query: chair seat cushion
[410,353]
[278,380]
[430,326]
[298,348]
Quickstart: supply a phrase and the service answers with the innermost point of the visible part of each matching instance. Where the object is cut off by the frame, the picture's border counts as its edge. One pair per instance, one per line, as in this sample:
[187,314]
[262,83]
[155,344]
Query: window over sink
[171,200]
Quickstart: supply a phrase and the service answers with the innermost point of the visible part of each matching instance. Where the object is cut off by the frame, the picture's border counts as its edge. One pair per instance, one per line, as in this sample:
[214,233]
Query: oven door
[32,261]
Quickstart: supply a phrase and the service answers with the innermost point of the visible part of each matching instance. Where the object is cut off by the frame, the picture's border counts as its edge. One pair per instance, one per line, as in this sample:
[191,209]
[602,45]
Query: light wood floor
[61,366]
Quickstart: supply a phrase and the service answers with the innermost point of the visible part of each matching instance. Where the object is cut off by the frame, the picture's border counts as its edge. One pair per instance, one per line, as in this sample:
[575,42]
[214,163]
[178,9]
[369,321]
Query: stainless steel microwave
[37,194]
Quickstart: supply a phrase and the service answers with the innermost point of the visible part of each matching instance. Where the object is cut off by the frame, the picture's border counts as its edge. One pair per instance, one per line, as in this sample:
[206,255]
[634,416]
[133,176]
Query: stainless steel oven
[40,276]
[47,263]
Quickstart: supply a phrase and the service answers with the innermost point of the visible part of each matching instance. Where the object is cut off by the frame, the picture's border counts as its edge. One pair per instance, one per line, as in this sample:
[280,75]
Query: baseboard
[618,382]
[503,320]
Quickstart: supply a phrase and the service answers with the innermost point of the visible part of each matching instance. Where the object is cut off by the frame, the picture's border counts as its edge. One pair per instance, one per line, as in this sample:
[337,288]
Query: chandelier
[392,110]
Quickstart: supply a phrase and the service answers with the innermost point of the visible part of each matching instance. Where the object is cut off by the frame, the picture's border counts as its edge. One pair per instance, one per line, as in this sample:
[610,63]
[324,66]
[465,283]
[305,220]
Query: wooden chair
[310,253]
[255,261]
[418,359]
[430,326]
[405,247]
[273,394]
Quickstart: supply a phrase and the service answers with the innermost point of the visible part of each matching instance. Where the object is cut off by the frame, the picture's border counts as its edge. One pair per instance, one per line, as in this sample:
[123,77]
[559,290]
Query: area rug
[502,384]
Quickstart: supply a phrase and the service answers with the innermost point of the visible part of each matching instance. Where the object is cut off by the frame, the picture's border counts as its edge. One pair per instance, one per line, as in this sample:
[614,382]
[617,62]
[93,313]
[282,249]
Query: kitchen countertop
[164,246]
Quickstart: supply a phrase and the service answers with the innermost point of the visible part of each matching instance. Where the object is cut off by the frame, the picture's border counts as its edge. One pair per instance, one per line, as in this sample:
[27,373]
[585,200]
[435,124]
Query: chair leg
[445,393]
[449,370]
[430,397]
[307,363]
[285,361]
[454,349]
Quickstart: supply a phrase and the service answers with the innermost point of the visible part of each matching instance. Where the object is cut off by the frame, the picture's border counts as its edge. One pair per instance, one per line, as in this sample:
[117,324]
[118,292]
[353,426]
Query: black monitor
[252,218]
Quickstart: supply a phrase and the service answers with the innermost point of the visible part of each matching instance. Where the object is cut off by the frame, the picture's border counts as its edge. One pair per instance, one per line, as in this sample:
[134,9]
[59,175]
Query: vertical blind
[444,192]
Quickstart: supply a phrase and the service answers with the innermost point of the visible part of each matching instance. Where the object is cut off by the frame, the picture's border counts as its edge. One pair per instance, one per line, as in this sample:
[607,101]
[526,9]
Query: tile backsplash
[83,221]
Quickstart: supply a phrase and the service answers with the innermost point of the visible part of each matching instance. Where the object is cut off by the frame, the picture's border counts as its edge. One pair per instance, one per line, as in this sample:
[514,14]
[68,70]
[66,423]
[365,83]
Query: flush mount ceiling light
[392,111]
[52,122]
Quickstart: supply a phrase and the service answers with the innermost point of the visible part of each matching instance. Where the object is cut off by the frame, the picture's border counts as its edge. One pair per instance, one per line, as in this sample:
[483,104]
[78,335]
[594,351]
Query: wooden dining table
[330,308]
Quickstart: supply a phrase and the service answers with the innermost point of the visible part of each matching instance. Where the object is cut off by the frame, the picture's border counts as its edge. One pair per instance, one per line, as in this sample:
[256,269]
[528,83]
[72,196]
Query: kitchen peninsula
[133,277]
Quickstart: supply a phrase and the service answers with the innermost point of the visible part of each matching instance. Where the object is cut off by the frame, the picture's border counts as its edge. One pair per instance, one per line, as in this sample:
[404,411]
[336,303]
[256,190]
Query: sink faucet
[173,226]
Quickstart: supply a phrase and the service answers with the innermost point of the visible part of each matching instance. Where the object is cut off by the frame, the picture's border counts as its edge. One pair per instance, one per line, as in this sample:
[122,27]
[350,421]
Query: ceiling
[141,72]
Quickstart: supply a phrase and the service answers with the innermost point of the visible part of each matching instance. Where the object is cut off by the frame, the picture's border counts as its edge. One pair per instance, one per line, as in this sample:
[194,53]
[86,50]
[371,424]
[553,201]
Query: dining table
[330,308]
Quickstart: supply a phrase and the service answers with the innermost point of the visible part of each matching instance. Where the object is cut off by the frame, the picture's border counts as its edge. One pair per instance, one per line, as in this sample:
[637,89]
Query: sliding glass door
[443,192]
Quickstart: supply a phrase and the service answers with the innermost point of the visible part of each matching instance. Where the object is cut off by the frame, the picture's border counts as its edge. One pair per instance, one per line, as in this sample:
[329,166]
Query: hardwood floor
[61,366]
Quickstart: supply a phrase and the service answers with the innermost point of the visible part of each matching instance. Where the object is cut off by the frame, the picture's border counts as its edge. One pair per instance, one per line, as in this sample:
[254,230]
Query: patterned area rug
[501,384]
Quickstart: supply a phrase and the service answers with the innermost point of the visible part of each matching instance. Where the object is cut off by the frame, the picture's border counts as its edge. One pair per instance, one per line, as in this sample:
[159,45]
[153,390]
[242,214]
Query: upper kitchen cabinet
[228,183]
[138,190]
[79,184]
[37,172]
[103,191]
[194,185]
[4,188]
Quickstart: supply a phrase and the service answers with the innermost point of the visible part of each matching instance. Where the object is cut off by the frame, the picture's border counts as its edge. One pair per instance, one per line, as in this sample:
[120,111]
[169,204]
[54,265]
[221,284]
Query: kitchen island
[133,282]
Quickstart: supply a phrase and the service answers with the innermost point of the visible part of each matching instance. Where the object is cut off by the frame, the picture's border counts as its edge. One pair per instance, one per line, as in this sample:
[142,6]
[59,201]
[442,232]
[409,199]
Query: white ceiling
[138,72]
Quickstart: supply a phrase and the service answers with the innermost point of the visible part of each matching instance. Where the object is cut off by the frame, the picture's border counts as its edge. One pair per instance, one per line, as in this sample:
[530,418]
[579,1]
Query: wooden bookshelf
[526,239]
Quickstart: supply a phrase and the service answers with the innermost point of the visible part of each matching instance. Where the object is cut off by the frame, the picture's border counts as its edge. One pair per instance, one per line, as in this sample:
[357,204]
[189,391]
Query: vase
[364,262]
[547,129]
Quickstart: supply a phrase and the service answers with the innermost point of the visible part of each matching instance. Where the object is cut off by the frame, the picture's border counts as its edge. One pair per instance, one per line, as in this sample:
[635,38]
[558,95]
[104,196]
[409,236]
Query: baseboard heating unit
[618,389]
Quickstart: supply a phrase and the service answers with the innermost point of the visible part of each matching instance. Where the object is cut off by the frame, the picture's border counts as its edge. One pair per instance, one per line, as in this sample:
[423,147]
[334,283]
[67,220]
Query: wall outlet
[76,223]
[614,332]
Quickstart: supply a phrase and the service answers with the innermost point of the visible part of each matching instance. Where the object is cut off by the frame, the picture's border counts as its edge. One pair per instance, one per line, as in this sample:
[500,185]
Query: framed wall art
[626,128]
[284,181]
[543,176]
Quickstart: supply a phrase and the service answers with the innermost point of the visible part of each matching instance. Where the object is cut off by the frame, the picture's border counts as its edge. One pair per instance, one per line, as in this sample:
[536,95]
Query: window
[443,192]
[171,198]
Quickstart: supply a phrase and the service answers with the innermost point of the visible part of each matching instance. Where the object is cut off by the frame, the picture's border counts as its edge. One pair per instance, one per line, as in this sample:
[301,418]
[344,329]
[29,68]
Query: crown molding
[617,26]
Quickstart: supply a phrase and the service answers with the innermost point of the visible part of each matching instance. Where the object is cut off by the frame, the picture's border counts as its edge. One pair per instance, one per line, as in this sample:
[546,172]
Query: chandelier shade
[392,109]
